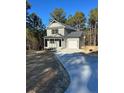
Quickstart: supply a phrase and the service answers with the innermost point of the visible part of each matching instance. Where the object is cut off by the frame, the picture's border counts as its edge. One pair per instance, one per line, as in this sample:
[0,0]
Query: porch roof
[53,37]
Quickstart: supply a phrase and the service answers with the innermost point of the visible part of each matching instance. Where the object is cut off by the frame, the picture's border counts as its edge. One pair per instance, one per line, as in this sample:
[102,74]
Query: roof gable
[55,23]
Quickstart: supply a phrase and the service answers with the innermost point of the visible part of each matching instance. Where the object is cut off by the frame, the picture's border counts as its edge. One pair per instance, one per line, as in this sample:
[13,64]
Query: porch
[51,43]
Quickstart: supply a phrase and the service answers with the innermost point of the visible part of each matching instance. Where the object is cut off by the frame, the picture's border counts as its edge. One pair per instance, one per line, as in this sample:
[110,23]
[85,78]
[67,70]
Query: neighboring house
[61,36]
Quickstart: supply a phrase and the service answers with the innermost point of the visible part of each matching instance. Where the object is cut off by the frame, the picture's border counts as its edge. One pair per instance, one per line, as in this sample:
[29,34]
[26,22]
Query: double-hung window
[54,31]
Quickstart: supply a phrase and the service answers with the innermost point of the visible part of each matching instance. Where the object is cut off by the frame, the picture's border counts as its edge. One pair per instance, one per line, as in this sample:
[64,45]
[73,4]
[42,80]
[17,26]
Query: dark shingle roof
[75,34]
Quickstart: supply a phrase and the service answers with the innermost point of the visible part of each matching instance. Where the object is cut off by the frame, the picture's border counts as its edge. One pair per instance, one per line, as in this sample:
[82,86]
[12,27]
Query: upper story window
[54,31]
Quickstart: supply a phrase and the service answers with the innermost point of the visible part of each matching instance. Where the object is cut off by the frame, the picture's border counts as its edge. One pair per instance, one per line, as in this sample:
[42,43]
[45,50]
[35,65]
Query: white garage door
[72,44]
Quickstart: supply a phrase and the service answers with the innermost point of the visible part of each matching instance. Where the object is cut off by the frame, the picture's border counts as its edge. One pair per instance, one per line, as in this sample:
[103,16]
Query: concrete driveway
[83,71]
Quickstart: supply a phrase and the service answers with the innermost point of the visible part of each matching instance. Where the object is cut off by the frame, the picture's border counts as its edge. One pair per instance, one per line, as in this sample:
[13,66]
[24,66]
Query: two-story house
[61,36]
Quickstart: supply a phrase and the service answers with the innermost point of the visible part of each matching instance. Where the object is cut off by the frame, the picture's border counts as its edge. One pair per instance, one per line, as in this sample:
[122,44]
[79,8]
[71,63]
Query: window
[54,31]
[52,41]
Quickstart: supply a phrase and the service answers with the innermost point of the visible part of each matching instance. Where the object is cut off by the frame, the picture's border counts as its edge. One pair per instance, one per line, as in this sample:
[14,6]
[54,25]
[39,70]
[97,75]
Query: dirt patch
[44,74]
[89,49]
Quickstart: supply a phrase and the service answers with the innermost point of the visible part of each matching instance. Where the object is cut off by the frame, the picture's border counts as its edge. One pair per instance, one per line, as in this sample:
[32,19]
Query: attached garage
[73,43]
[74,40]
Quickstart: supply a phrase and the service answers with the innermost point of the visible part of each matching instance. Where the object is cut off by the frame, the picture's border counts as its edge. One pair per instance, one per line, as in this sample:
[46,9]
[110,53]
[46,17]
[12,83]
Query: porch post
[54,43]
[61,42]
[48,44]
[44,42]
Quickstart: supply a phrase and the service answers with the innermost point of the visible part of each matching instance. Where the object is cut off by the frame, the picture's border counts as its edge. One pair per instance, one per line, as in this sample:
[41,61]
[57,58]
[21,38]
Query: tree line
[35,29]
[81,23]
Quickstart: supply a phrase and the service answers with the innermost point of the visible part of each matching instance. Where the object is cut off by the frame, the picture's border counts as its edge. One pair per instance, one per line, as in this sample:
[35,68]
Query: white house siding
[72,39]
[60,31]
[64,43]
[64,31]
[49,32]
[55,25]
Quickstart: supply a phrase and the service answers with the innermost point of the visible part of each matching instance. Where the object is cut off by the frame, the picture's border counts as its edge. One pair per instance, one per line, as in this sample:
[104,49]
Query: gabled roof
[75,34]
[64,25]
[53,21]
